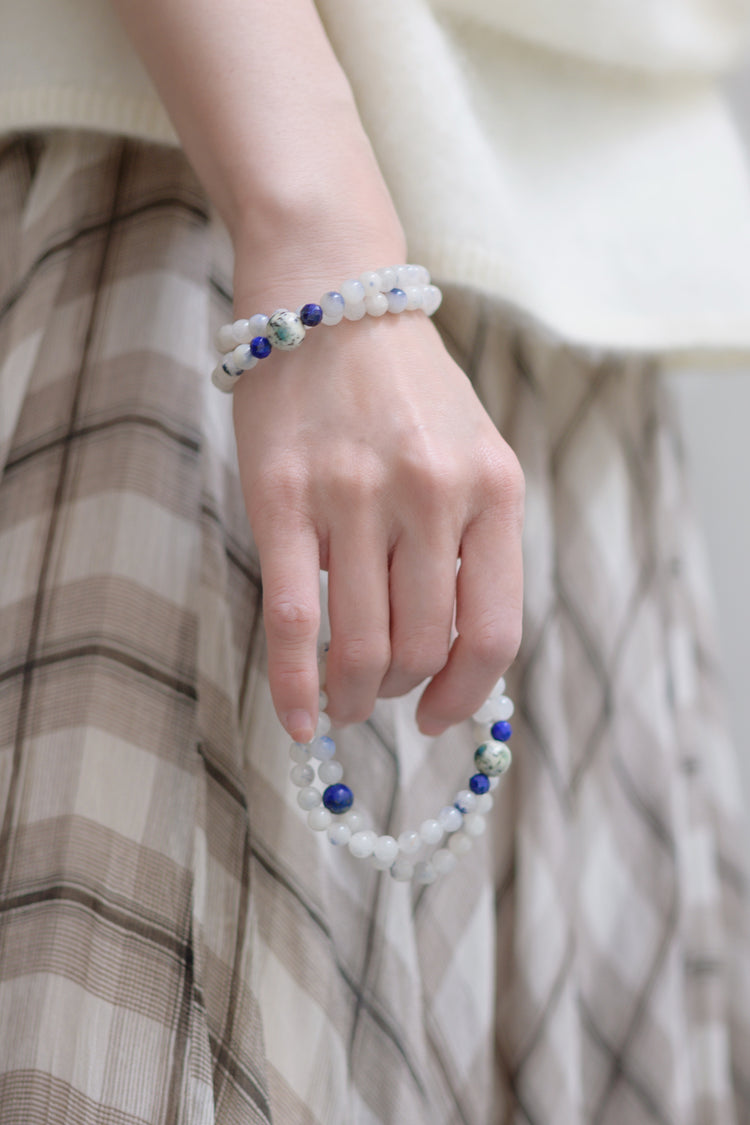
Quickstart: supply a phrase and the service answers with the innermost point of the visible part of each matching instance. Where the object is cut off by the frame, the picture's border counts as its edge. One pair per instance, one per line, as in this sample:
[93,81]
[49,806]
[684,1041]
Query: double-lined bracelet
[393,289]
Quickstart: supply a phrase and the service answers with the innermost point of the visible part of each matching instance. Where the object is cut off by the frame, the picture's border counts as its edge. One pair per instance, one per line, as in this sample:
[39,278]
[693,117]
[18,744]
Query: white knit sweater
[572,157]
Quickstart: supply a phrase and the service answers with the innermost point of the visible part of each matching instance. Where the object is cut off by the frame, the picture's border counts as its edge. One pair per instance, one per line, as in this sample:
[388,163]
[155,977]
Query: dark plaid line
[222,779]
[104,652]
[549,1006]
[242,1078]
[224,1044]
[57,504]
[618,1069]
[642,1094]
[240,559]
[180,1031]
[250,648]
[81,432]
[221,289]
[648,815]
[439,1058]
[95,903]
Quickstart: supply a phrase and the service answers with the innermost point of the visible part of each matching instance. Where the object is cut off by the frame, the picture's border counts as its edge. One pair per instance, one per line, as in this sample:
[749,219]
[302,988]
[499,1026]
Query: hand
[366,453]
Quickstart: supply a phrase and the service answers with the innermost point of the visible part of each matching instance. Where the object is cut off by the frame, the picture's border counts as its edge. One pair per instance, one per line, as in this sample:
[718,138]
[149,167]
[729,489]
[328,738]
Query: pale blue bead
[258,324]
[323,748]
[332,303]
[414,297]
[396,300]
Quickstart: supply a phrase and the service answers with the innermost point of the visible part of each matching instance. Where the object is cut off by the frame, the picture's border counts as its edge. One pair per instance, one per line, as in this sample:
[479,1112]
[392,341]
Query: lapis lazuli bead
[260,347]
[310,315]
[501,730]
[479,783]
[338,798]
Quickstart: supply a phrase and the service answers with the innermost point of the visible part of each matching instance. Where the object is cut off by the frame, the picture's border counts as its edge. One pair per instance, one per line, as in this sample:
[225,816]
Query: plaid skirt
[175,946]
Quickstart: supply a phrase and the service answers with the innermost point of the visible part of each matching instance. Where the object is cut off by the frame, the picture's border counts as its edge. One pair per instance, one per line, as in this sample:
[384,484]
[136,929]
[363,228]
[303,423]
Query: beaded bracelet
[392,289]
[450,834]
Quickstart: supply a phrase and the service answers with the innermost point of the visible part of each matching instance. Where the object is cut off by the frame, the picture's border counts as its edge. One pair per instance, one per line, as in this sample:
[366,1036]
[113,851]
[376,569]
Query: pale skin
[366,451]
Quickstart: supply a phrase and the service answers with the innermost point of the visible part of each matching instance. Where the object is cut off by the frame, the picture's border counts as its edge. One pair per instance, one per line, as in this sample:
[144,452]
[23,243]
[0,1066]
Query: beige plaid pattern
[175,945]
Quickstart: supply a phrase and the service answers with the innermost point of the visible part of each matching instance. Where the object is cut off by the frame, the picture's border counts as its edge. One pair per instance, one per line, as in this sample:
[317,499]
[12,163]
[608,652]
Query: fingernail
[300,725]
[431,728]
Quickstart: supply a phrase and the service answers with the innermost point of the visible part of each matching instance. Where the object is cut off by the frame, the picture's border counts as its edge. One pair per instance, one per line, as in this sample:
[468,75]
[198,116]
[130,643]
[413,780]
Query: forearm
[268,120]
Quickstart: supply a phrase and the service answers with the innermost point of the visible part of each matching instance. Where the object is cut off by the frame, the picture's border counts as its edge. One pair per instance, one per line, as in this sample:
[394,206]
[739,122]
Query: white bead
[409,842]
[332,318]
[308,798]
[258,324]
[331,303]
[494,782]
[224,339]
[355,312]
[241,332]
[244,358]
[422,275]
[355,819]
[460,844]
[381,864]
[396,301]
[431,831]
[407,276]
[377,305]
[432,299]
[322,700]
[302,776]
[285,330]
[504,707]
[474,824]
[402,870]
[299,752]
[330,772]
[370,281]
[222,380]
[414,297]
[386,849]
[339,834]
[450,818]
[323,724]
[319,819]
[487,713]
[322,747]
[444,861]
[466,801]
[388,278]
[485,803]
[498,689]
[424,872]
[353,292]
[363,843]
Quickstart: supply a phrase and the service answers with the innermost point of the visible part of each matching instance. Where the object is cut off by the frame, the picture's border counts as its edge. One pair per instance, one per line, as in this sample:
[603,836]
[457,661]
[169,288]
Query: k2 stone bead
[492,758]
[285,330]
[479,783]
[310,315]
[338,798]
[339,834]
[501,730]
[260,347]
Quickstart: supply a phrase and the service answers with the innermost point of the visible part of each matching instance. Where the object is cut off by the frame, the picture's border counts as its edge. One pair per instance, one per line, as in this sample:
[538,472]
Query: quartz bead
[377,305]
[353,292]
[460,844]
[431,299]
[485,803]
[450,818]
[501,730]
[285,330]
[323,724]
[386,849]
[479,783]
[409,842]
[243,357]
[444,861]
[224,338]
[308,798]
[503,707]
[362,844]
[396,300]
[332,304]
[431,831]
[370,282]
[388,278]
[260,347]
[339,834]
[310,315]
[355,312]
[302,776]
[322,747]
[355,820]
[338,798]
[299,753]
[319,819]
[402,870]
[474,824]
[414,297]
[492,758]
[330,771]
[465,801]
[424,872]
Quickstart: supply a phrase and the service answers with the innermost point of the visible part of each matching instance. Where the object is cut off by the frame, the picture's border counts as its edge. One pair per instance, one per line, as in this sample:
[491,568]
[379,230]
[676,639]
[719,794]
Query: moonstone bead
[494,782]
[414,297]
[474,824]
[222,380]
[386,849]
[465,801]
[460,844]
[431,831]
[376,305]
[388,278]
[319,819]
[431,299]
[409,842]
[308,798]
[330,772]
[353,292]
[285,329]
[450,818]
[355,312]
[299,752]
[224,338]
[322,700]
[444,861]
[323,724]
[424,872]
[355,819]
[402,870]
[503,707]
[380,864]
[322,747]
[486,713]
[408,276]
[498,689]
[485,803]
[363,843]
[332,304]
[370,281]
[422,275]
[492,758]
[242,332]
[302,776]
[396,300]
[339,834]
[243,357]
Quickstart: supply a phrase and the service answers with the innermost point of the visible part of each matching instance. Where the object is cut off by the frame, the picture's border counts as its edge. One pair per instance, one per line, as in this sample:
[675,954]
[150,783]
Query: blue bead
[260,347]
[501,731]
[338,798]
[310,315]
[479,783]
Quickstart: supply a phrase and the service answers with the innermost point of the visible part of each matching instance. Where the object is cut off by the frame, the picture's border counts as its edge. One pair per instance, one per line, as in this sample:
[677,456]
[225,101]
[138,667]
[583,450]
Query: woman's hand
[366,452]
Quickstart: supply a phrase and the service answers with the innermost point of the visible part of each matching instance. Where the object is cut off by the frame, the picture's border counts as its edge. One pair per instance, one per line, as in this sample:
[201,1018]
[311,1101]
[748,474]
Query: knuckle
[495,644]
[352,477]
[419,657]
[363,657]
[504,482]
[289,618]
[276,492]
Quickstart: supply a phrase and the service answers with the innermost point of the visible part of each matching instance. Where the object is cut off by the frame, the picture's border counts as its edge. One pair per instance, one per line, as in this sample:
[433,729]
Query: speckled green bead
[492,758]
[285,330]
